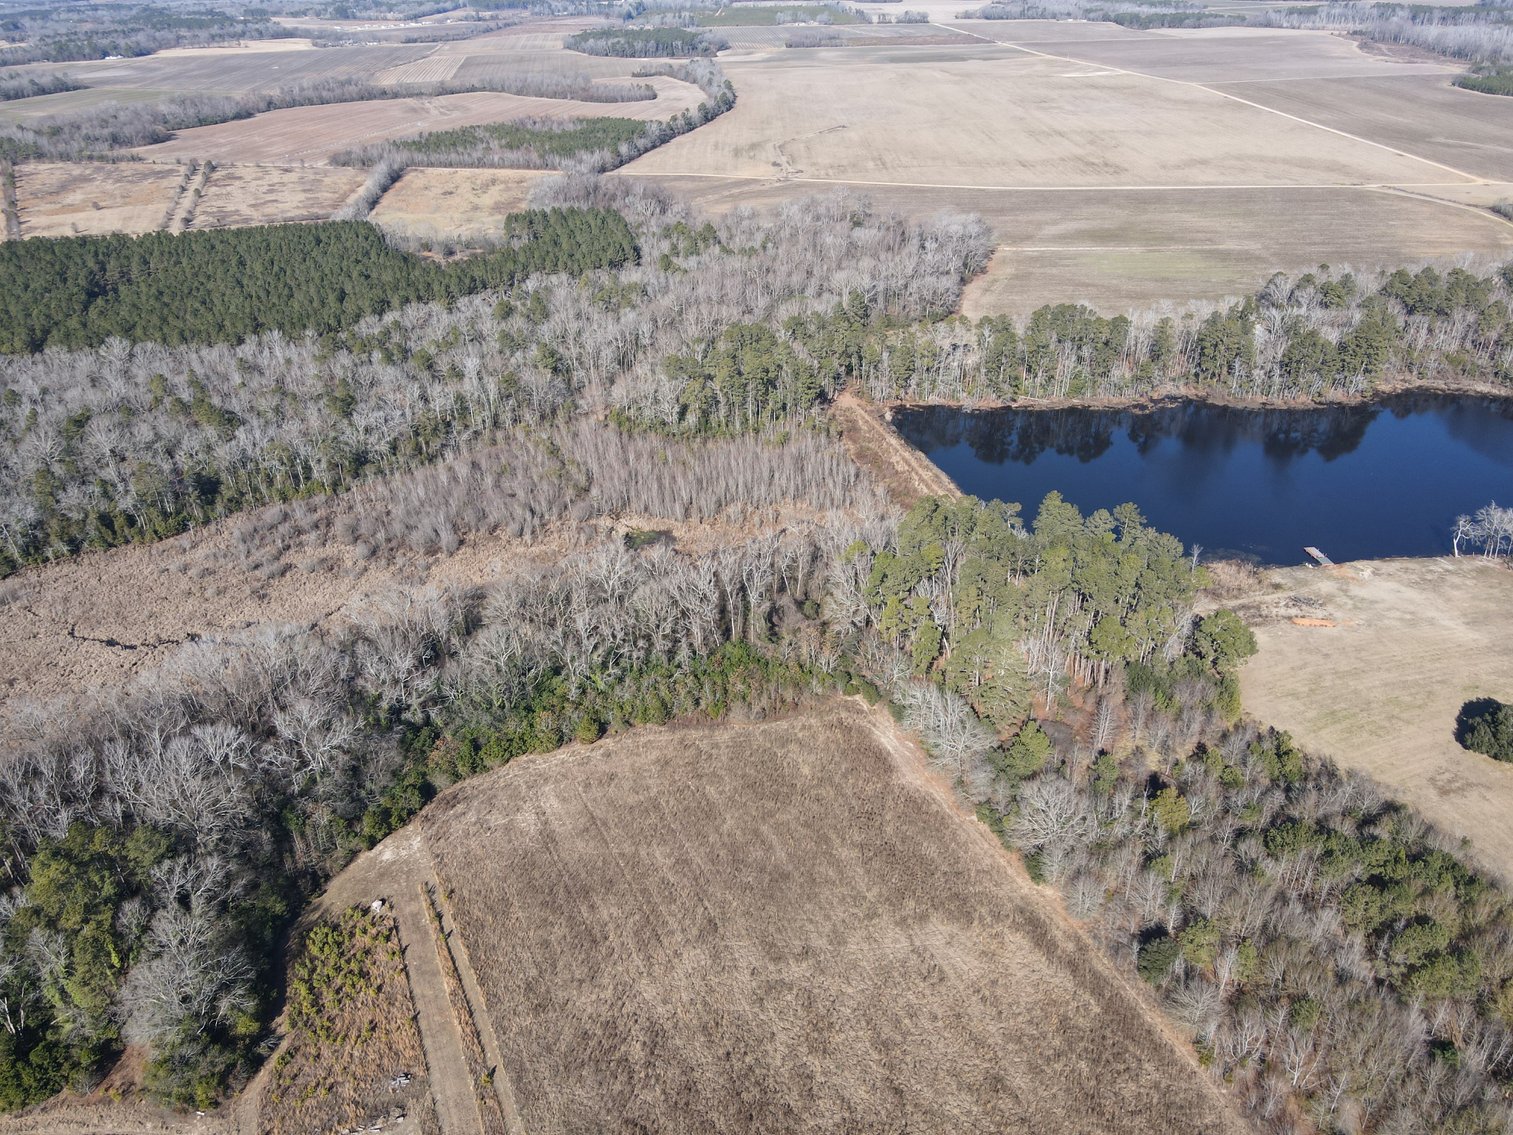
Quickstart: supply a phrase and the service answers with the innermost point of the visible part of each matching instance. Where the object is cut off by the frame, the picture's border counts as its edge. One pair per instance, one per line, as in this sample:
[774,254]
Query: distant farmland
[1117,167]
[784,927]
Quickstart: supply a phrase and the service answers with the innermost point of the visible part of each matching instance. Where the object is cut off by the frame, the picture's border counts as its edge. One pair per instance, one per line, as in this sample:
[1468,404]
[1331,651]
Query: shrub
[1485,726]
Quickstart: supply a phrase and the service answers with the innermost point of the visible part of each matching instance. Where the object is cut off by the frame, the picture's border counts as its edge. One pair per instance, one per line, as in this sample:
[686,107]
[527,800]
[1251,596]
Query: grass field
[259,195]
[58,199]
[784,927]
[1380,692]
[455,204]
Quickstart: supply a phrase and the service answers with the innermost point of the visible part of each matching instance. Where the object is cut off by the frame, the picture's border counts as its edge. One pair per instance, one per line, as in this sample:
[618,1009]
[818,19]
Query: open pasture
[1380,691]
[454,204]
[315,133]
[61,199]
[784,927]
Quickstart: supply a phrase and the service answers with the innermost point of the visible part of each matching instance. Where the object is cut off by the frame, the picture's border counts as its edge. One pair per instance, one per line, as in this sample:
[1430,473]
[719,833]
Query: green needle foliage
[225,286]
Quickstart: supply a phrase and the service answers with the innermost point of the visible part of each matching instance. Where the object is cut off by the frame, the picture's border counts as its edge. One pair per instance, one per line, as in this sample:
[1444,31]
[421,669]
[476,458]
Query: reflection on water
[1359,481]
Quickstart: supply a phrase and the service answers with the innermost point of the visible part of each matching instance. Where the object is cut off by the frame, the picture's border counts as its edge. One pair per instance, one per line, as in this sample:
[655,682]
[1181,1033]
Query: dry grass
[785,927]
[353,1056]
[456,204]
[60,199]
[1380,691]
[265,195]
[479,1073]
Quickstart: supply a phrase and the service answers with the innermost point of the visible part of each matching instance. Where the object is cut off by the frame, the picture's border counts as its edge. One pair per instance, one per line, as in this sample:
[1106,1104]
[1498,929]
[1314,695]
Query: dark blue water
[1357,482]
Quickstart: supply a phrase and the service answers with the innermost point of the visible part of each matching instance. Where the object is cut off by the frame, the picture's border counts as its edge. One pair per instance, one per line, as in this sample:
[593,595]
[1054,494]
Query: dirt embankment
[877,447]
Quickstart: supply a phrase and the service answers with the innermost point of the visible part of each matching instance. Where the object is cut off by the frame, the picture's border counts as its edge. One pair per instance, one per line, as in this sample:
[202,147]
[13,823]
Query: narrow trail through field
[1475,179]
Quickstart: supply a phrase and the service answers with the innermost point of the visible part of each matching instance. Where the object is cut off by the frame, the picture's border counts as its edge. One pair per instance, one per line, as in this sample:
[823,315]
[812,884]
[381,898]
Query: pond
[1377,479]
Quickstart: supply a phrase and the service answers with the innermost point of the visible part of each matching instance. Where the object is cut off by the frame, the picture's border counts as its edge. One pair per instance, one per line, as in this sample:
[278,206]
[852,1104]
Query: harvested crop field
[315,133]
[1003,118]
[1380,691]
[234,70]
[1068,246]
[1423,114]
[454,204]
[1118,167]
[785,926]
[60,199]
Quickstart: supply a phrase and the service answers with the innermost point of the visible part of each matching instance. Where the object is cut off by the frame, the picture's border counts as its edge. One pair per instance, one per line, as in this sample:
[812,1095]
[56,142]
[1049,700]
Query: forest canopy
[225,286]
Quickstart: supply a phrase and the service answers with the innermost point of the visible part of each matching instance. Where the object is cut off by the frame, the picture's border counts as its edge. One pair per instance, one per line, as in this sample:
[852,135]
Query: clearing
[64,199]
[455,204]
[1380,691]
[784,926]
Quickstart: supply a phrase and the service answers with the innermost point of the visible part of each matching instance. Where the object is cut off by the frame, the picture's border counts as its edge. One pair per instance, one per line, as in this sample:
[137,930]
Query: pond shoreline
[1166,399]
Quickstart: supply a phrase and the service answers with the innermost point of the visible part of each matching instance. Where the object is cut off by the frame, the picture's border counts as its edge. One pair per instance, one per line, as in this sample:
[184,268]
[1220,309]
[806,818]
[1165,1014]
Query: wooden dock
[1324,561]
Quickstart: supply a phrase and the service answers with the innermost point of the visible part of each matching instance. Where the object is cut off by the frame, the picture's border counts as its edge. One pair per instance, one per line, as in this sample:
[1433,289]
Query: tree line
[646,43]
[1333,960]
[103,130]
[1311,337]
[581,144]
[18,85]
[74,32]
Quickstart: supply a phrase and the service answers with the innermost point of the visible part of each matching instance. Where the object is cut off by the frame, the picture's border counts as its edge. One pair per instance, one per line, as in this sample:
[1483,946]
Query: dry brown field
[236,70]
[1210,56]
[265,195]
[785,926]
[1421,114]
[1117,167]
[1380,692]
[454,204]
[315,133]
[1071,246]
[58,199]
[71,102]
[852,116]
